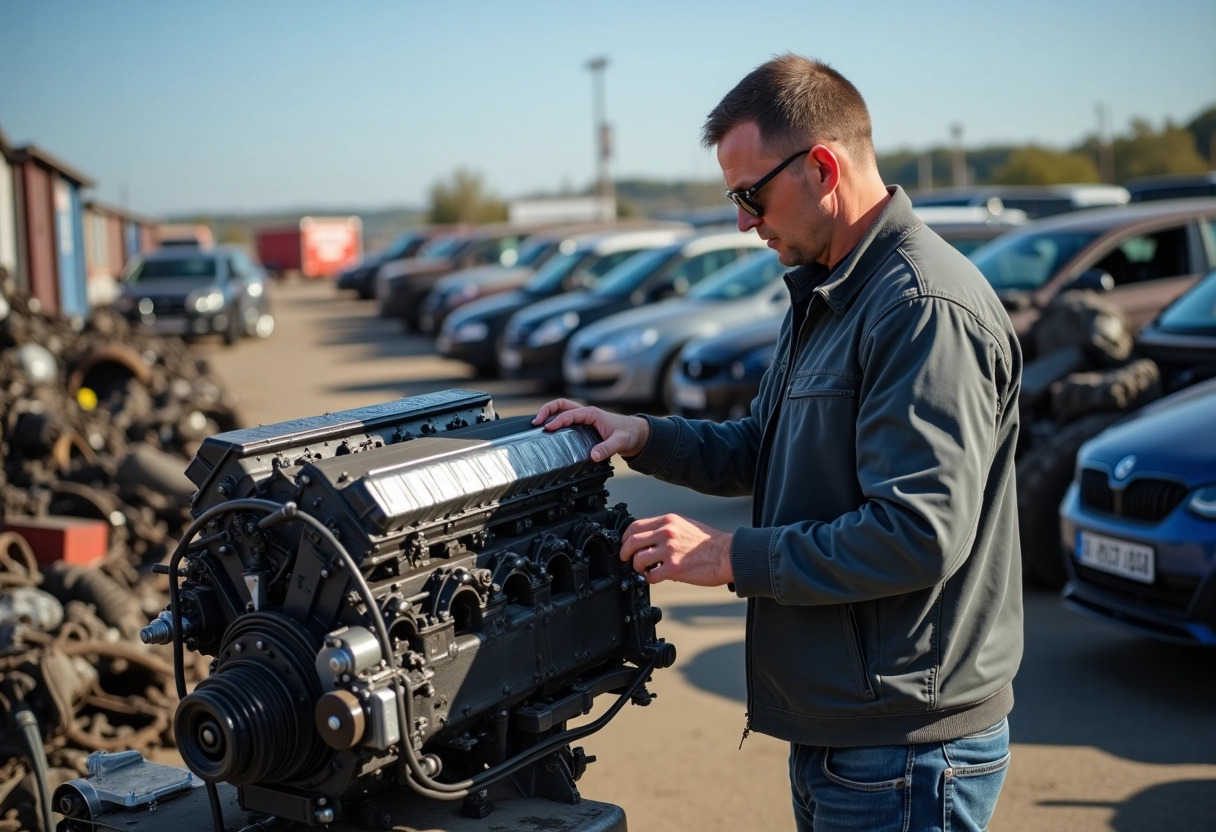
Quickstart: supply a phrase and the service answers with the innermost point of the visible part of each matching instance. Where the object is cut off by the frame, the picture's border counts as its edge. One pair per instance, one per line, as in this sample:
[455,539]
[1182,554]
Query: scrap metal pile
[98,422]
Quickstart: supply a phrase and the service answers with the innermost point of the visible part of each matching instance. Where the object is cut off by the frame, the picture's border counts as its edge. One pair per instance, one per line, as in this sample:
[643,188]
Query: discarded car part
[436,602]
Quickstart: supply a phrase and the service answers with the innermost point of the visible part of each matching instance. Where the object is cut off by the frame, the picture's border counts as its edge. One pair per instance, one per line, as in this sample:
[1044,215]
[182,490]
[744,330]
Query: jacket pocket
[857,656]
[822,385]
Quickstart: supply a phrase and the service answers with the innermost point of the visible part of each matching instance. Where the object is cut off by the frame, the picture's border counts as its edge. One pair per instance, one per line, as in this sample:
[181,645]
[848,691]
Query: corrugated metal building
[8,212]
[50,245]
[111,237]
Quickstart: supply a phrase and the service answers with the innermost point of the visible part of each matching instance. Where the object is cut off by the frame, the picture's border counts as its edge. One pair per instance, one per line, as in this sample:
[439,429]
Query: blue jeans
[938,786]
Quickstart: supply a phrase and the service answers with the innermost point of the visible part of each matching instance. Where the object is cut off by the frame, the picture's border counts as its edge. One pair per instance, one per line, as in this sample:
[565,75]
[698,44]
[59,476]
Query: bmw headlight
[625,344]
[472,331]
[553,330]
[205,302]
[1203,502]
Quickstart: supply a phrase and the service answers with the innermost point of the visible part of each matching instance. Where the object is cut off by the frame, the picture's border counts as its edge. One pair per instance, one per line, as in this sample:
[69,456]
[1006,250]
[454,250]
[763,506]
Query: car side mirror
[1097,280]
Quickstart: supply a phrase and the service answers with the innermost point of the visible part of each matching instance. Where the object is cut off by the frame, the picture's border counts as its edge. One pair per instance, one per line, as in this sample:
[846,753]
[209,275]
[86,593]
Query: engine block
[414,594]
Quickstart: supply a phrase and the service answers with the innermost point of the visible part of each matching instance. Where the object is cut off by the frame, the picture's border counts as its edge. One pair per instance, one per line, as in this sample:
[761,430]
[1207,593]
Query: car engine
[411,595]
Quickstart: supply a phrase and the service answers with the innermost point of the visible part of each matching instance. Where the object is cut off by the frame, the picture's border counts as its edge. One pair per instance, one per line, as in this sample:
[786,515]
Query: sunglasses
[745,199]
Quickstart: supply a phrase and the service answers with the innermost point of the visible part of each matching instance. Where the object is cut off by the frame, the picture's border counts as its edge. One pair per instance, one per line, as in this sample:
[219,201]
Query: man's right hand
[624,435]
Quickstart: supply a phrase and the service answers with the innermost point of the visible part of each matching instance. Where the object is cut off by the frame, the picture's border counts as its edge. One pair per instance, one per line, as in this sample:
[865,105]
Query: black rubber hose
[33,738]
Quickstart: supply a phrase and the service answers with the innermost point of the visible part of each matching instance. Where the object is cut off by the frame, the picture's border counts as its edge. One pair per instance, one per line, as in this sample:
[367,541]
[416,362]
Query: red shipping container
[81,541]
[315,247]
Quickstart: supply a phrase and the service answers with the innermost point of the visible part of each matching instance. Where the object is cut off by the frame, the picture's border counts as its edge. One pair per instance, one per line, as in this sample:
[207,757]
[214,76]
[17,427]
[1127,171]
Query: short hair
[795,100]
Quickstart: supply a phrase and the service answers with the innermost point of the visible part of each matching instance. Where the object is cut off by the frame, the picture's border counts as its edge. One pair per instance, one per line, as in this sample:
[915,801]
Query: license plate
[1116,557]
[510,359]
[691,397]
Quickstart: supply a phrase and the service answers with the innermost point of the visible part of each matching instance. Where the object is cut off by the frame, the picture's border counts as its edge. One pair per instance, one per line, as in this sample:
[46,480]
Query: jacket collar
[840,285]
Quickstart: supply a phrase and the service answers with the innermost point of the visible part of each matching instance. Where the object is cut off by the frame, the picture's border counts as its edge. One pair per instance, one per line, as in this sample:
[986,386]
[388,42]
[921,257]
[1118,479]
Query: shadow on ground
[1187,804]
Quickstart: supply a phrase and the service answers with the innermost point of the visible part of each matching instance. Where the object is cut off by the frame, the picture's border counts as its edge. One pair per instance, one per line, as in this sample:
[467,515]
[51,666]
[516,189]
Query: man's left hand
[675,548]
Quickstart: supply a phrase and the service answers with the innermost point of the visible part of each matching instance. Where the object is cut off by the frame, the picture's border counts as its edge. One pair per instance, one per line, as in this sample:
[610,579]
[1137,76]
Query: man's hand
[624,435]
[675,548]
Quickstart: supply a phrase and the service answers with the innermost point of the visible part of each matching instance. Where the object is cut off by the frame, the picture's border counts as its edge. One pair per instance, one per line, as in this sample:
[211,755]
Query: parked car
[536,336]
[1138,524]
[1146,188]
[969,227]
[630,357]
[361,276]
[471,333]
[1182,339]
[402,284]
[197,291]
[467,285]
[1140,256]
[717,377]
[1036,200]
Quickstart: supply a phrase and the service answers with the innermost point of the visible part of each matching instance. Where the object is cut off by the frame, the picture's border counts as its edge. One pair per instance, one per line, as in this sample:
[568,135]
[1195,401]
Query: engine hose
[33,738]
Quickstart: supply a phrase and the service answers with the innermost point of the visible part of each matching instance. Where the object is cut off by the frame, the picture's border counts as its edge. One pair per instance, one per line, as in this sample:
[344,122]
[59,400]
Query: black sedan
[717,378]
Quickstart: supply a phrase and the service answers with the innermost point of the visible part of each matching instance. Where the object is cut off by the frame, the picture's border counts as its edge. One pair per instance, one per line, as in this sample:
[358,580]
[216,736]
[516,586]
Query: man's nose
[746,221]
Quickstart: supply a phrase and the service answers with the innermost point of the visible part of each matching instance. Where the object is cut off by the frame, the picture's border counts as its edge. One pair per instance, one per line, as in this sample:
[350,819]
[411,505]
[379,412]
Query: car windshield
[187,268]
[741,278]
[535,252]
[397,248]
[441,247]
[1027,261]
[629,275]
[1194,311]
[550,277]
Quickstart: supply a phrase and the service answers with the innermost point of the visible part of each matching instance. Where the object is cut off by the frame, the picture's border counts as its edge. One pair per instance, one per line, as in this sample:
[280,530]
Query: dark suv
[197,291]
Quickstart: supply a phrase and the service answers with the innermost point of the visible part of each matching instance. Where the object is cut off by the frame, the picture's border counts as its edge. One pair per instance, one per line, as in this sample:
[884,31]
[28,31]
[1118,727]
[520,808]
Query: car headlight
[472,331]
[1203,502]
[254,290]
[205,301]
[553,330]
[625,344]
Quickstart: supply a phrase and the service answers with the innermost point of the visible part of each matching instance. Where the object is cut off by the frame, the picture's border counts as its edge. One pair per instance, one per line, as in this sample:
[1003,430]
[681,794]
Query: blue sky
[178,106]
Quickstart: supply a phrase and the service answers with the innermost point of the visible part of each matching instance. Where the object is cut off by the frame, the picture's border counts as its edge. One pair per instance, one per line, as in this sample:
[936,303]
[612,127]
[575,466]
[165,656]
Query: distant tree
[464,199]
[1033,165]
[1203,128]
[1147,152]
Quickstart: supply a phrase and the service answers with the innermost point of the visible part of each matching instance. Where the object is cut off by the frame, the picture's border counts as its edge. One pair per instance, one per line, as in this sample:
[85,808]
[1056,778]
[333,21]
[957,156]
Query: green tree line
[1144,150]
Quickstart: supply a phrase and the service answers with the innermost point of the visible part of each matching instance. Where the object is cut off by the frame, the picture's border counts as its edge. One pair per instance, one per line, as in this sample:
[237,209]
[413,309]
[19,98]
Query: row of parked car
[685,319]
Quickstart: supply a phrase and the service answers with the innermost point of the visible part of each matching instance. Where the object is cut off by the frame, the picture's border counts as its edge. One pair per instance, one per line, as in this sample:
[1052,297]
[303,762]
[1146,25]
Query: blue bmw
[1138,524]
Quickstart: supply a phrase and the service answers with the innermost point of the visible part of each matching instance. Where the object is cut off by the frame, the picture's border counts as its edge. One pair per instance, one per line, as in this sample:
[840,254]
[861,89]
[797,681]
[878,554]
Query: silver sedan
[628,357]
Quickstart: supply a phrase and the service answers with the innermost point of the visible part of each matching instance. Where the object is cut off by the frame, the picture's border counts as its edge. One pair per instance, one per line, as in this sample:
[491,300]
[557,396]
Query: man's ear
[825,167]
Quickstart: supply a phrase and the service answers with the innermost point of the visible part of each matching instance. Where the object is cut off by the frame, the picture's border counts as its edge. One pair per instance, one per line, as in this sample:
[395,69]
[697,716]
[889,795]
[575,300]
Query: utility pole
[1106,149]
[603,138]
[959,156]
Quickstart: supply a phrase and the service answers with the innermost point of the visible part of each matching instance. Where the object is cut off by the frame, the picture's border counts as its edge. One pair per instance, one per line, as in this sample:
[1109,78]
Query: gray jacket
[883,572]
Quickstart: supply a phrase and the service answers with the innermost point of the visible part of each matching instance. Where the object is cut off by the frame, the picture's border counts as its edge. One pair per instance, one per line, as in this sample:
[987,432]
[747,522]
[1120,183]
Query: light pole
[603,138]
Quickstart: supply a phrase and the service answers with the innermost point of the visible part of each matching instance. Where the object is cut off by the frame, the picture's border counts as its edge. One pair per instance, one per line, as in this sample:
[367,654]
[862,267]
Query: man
[884,621]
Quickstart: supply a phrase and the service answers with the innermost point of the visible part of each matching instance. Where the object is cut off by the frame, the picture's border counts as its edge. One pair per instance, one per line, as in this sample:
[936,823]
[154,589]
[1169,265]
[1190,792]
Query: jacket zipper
[747,729]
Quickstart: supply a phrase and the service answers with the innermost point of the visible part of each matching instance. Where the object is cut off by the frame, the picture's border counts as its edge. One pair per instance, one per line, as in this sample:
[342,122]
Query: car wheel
[666,394]
[235,328]
[1043,476]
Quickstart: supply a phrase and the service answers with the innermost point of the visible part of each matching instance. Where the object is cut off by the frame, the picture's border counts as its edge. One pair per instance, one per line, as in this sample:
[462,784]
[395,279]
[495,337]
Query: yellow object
[86,398]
